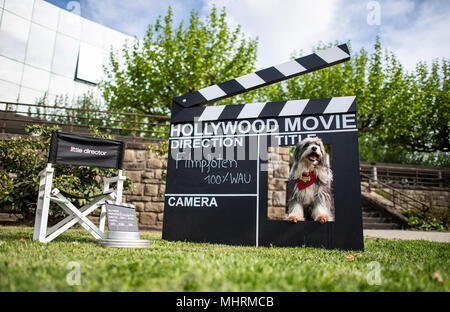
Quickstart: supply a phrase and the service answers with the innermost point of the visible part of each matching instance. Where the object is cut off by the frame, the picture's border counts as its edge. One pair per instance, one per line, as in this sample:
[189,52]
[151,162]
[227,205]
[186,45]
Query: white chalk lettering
[192,201]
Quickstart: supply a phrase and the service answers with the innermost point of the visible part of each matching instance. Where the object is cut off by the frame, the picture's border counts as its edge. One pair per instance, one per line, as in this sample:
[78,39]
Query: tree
[402,116]
[171,61]
[419,112]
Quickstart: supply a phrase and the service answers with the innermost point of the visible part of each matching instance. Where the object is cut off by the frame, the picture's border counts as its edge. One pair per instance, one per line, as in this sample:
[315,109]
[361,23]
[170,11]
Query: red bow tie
[307,179]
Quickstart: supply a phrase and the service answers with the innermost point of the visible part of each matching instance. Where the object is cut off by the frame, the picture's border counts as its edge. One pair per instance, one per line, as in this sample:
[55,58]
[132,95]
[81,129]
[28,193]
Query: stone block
[162,190]
[154,164]
[132,198]
[130,155]
[280,184]
[134,176]
[138,189]
[281,172]
[159,225]
[148,174]
[276,213]
[158,199]
[139,206]
[141,155]
[158,173]
[154,206]
[134,165]
[279,198]
[151,189]
[283,150]
[147,218]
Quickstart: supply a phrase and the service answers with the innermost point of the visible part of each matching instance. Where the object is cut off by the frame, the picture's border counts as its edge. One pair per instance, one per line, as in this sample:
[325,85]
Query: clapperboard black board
[121,217]
[217,177]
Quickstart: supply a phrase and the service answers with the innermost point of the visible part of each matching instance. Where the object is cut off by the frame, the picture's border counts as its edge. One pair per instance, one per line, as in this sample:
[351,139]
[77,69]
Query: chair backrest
[82,150]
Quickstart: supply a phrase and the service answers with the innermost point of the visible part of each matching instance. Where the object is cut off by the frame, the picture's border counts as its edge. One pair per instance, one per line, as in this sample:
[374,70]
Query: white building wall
[47,49]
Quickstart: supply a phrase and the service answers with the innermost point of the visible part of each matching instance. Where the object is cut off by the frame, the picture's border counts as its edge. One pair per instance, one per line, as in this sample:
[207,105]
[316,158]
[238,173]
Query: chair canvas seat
[65,149]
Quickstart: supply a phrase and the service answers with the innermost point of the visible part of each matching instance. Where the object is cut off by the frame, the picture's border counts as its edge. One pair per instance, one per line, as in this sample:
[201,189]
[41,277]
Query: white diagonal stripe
[290,68]
[293,108]
[332,54]
[339,105]
[251,110]
[212,92]
[211,113]
[250,80]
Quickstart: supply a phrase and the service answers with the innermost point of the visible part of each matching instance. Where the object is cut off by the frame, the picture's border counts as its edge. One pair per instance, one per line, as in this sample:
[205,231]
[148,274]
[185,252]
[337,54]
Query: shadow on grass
[17,233]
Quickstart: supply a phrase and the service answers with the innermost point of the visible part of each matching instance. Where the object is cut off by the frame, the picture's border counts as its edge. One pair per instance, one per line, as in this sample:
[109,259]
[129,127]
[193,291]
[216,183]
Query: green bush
[22,160]
[427,221]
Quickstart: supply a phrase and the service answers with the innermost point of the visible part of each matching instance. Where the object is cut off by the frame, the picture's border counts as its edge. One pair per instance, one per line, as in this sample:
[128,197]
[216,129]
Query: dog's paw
[295,219]
[322,219]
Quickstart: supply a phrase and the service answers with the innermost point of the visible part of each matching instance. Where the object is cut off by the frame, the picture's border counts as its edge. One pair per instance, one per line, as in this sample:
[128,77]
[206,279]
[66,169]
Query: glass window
[65,58]
[13,36]
[89,63]
[40,48]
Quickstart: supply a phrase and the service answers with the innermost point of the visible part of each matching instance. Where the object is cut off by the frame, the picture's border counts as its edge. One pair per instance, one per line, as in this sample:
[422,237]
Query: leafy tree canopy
[173,60]
[398,111]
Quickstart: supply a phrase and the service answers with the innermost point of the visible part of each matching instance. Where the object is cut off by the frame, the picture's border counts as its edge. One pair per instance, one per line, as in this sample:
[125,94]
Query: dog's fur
[310,156]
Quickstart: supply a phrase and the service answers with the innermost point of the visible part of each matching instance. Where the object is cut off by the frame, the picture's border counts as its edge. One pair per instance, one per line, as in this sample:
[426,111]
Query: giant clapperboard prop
[217,179]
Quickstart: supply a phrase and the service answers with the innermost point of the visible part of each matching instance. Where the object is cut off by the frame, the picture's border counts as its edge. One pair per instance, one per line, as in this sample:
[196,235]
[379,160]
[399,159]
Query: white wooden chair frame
[75,215]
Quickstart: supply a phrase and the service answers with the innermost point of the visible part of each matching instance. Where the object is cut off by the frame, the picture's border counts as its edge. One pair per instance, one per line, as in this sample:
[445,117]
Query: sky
[414,30]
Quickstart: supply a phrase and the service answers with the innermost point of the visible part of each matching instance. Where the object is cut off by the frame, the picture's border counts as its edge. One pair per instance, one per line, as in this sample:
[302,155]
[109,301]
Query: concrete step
[380,226]
[367,220]
[372,214]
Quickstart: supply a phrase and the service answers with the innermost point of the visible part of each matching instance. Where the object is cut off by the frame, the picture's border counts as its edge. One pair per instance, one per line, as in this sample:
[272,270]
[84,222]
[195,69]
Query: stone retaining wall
[147,171]
[278,174]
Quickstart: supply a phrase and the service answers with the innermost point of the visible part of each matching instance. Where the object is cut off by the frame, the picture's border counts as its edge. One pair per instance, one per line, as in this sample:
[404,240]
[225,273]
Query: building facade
[45,49]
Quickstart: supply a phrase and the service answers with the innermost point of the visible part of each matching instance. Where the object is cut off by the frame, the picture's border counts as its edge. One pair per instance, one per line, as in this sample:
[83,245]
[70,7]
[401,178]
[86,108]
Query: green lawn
[26,265]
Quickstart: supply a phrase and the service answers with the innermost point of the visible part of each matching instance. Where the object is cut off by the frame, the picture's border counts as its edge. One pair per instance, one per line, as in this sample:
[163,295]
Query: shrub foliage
[22,160]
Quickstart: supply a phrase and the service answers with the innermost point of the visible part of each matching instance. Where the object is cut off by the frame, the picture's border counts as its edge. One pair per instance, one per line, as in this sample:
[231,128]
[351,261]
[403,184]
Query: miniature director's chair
[78,150]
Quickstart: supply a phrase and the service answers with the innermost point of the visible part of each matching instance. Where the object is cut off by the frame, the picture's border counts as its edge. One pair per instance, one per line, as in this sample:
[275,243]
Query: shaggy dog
[310,183]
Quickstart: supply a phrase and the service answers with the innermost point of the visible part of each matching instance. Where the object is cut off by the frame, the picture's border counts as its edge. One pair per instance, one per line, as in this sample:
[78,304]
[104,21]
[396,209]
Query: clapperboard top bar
[335,105]
[302,65]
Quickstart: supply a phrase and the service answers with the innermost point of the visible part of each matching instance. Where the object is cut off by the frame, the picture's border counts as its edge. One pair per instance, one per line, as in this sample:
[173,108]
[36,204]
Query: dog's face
[310,152]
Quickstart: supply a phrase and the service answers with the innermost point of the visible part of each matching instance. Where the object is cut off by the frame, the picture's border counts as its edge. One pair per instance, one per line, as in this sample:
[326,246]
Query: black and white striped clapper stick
[302,65]
[335,105]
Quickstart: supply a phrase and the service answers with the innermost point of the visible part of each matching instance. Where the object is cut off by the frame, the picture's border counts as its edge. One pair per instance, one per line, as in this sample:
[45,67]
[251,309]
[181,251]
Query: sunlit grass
[26,265]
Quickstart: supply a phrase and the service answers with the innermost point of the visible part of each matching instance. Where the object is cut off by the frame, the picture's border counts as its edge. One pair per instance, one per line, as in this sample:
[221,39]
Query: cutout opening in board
[280,190]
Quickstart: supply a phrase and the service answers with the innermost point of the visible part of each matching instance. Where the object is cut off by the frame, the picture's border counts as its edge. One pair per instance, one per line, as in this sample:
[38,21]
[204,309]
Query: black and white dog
[310,183]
